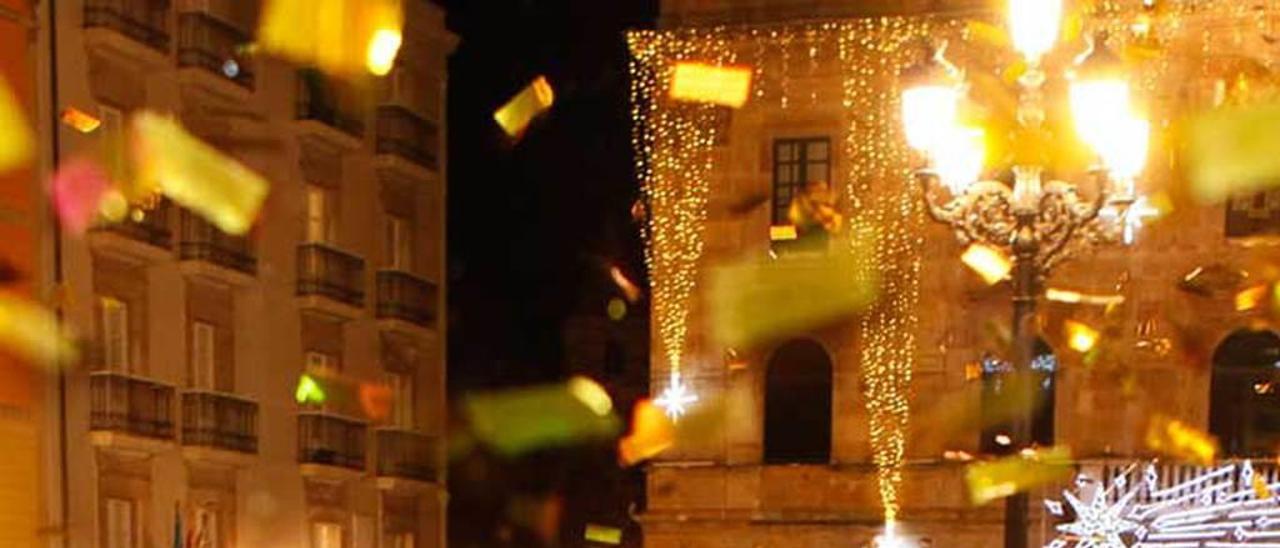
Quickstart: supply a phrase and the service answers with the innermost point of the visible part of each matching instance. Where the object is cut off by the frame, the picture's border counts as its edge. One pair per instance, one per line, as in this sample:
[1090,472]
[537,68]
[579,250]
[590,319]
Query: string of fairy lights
[675,161]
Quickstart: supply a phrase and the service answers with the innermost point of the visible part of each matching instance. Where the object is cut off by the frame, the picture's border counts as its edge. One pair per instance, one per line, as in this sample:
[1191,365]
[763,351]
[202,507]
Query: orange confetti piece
[728,86]
[533,100]
[196,175]
[990,263]
[80,120]
[652,432]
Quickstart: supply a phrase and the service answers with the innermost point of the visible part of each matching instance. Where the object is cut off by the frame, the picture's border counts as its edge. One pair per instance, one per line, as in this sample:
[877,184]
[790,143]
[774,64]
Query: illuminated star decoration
[1133,217]
[1098,524]
[676,398]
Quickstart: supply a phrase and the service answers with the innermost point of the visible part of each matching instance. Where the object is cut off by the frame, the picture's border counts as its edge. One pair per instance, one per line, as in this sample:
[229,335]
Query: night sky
[530,222]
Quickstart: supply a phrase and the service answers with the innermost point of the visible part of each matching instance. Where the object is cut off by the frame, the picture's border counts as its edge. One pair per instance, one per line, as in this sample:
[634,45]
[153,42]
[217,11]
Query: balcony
[213,47]
[209,252]
[148,238]
[407,460]
[403,136]
[321,113]
[330,280]
[403,297]
[330,446]
[219,428]
[130,413]
[143,23]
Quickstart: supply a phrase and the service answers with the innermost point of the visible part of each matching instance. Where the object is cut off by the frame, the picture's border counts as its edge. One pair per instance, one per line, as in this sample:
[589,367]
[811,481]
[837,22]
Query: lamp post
[1036,222]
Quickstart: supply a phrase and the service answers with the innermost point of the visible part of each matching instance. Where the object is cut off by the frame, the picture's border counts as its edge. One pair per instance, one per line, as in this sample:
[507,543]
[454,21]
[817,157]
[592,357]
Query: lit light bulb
[1034,26]
[958,158]
[383,47]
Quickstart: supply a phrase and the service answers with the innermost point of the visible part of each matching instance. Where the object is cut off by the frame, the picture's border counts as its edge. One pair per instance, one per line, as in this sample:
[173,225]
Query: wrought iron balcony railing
[328,272]
[153,229]
[130,405]
[318,101]
[331,440]
[220,421]
[209,43]
[201,241]
[405,134]
[406,297]
[145,21]
[409,455]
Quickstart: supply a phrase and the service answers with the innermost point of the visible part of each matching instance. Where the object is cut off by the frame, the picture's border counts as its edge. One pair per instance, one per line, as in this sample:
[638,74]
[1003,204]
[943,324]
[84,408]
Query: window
[115,334]
[1244,413]
[326,535]
[1252,215]
[402,394]
[362,531]
[119,524]
[797,162]
[399,243]
[320,205]
[797,406]
[321,363]
[999,399]
[113,143]
[203,375]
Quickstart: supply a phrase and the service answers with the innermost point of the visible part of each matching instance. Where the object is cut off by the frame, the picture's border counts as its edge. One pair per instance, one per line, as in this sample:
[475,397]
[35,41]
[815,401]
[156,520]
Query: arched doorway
[797,405]
[1244,413]
[998,402]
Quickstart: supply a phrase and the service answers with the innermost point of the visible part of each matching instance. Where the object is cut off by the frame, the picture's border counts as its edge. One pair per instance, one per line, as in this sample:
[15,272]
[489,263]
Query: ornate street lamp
[1036,222]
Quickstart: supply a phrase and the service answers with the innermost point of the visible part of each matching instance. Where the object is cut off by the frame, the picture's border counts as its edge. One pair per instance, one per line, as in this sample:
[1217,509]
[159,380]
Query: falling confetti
[1233,150]
[80,120]
[629,289]
[1180,440]
[17,141]
[518,421]
[196,175]
[651,434]
[728,86]
[992,480]
[990,263]
[516,115]
[602,534]
[341,37]
[32,332]
[78,188]
[309,391]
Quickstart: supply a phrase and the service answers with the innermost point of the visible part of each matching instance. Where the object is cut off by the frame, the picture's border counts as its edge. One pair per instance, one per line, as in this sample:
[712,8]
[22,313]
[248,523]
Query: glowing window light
[1034,26]
[704,83]
[382,50]
[990,263]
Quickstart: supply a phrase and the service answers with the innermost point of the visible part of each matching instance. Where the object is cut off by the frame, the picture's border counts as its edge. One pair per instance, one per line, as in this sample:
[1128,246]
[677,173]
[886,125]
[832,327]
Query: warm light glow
[383,47]
[676,398]
[1080,337]
[958,158]
[1251,297]
[591,394]
[1098,108]
[929,115]
[782,233]
[80,120]
[1034,26]
[718,85]
[1075,297]
[1124,147]
[990,263]
[889,538]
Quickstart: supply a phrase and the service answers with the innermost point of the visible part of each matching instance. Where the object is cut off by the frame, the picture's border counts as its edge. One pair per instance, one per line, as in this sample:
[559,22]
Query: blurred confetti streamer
[1234,150]
[754,302]
[990,263]
[629,289]
[1000,478]
[78,189]
[602,534]
[652,432]
[1075,297]
[1251,297]
[17,142]
[728,86]
[80,120]
[309,391]
[955,416]
[196,175]
[533,100]
[1181,441]
[341,37]
[518,421]
[591,394]
[32,332]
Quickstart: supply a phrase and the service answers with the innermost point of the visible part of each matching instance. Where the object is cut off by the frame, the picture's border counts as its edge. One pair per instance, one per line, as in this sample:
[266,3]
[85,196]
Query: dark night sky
[530,222]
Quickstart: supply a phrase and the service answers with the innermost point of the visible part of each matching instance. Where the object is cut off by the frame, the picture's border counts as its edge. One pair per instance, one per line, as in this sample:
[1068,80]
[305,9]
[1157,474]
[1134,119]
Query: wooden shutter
[203,358]
[115,334]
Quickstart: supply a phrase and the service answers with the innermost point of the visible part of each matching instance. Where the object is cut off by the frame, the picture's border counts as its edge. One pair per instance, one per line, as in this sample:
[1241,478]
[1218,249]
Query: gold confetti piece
[32,332]
[729,86]
[591,394]
[753,302]
[1234,150]
[534,99]
[17,141]
[196,175]
[341,37]
[1261,490]
[1075,297]
[1080,337]
[1251,297]
[514,422]
[990,263]
[80,120]
[603,534]
[652,432]
[782,233]
[1181,441]
[992,480]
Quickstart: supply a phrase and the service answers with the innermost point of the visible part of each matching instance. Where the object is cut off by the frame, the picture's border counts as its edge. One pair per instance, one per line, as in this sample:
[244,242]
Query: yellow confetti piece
[1234,150]
[309,391]
[728,86]
[196,175]
[32,332]
[602,534]
[17,141]
[342,37]
[1260,488]
[1075,297]
[1080,337]
[591,394]
[782,233]
[533,100]
[992,480]
[1251,297]
[80,120]
[1181,441]
[990,263]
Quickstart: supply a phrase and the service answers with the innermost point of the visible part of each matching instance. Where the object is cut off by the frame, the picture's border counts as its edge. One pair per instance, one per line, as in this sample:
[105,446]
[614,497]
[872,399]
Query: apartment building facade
[792,462]
[182,419]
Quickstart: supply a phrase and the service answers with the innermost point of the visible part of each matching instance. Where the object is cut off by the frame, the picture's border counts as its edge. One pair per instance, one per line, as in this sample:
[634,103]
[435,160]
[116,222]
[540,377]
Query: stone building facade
[185,406]
[1175,342]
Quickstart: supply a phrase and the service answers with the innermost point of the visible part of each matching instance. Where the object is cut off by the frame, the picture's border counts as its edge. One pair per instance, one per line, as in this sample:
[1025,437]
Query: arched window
[797,404]
[1244,413]
[997,402]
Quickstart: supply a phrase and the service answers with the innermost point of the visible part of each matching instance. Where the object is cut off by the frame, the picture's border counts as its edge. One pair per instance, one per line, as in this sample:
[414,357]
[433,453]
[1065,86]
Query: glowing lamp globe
[929,115]
[1033,26]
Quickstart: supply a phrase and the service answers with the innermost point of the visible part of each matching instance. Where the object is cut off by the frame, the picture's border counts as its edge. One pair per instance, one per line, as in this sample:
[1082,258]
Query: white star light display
[1223,507]
[676,398]
[1132,219]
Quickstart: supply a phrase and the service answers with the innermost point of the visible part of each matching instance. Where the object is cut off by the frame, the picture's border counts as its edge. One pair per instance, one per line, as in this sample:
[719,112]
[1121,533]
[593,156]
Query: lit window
[796,162]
